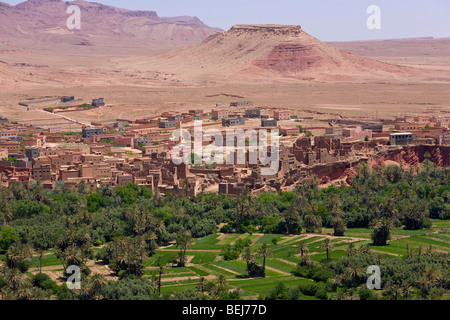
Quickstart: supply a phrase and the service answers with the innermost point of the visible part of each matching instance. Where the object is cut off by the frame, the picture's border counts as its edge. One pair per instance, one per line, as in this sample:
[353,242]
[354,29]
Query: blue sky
[328,20]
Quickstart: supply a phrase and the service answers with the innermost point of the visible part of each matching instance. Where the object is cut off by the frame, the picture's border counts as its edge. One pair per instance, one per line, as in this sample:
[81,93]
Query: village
[138,151]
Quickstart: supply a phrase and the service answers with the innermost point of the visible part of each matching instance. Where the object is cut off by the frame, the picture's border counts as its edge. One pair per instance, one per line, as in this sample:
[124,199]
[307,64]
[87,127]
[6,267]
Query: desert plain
[140,77]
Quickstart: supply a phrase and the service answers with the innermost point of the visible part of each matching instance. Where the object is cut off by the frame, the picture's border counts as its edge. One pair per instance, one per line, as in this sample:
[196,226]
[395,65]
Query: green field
[205,260]
[282,262]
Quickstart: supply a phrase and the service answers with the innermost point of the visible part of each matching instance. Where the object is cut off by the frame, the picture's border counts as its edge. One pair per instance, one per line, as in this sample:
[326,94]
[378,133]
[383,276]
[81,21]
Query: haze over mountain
[35,22]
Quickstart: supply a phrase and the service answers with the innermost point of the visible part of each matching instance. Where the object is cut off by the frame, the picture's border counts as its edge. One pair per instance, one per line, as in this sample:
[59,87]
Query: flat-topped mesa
[275,29]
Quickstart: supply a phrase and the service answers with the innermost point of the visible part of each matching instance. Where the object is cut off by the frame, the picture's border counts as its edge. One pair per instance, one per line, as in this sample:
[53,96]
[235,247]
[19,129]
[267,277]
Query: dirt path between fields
[258,236]
[294,238]
[176,250]
[56,272]
[225,269]
[179,279]
[383,252]
[287,262]
[278,271]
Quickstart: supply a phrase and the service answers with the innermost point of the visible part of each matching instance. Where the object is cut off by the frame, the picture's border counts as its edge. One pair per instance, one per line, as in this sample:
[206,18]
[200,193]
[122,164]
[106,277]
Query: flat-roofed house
[231,122]
[254,113]
[282,115]
[401,139]
[219,114]
[267,123]
[167,124]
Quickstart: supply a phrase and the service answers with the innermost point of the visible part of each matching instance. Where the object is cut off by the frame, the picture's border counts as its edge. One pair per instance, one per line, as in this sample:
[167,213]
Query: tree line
[124,226]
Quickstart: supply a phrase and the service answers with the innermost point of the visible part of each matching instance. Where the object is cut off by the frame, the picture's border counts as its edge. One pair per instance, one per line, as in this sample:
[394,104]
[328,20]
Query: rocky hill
[33,22]
[269,52]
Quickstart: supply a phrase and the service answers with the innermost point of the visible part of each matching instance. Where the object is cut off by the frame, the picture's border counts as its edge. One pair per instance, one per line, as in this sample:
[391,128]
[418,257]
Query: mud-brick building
[42,173]
[241,104]
[401,139]
[268,123]
[231,122]
[166,124]
[90,132]
[219,114]
[289,131]
[282,115]
[254,113]
[232,188]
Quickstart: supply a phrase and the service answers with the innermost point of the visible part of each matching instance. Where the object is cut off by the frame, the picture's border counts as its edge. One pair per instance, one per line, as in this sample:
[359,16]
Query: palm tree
[351,250]
[210,287]
[328,247]
[84,292]
[247,256]
[419,251]
[406,290]
[128,253]
[431,277]
[394,290]
[381,231]
[353,271]
[264,252]
[221,283]
[409,252]
[339,226]
[156,198]
[311,222]
[186,186]
[6,217]
[17,253]
[41,257]
[71,254]
[306,260]
[364,249]
[183,243]
[38,192]
[302,248]
[14,278]
[292,218]
[337,280]
[154,282]
[25,292]
[96,285]
[161,270]
[245,206]
[142,220]
[200,286]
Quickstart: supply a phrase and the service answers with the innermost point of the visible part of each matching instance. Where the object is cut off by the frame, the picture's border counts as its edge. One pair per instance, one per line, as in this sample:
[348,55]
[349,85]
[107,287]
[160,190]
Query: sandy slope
[267,53]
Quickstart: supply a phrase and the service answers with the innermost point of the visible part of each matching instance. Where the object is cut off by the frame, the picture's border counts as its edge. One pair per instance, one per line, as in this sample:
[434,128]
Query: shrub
[188,295]
[366,294]
[39,278]
[294,294]
[321,294]
[308,289]
[323,275]
[255,271]
[229,254]
[279,292]
[128,289]
[7,237]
